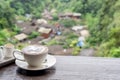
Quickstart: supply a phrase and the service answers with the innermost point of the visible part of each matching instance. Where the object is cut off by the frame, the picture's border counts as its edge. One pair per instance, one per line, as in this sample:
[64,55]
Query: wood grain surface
[68,68]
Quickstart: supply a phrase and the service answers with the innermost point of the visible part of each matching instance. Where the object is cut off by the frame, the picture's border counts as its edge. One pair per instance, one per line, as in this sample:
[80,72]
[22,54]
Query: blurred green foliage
[5,36]
[34,34]
[68,22]
[16,29]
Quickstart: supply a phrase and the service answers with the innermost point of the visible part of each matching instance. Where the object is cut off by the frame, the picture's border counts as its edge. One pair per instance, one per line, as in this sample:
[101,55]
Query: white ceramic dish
[50,61]
[7,61]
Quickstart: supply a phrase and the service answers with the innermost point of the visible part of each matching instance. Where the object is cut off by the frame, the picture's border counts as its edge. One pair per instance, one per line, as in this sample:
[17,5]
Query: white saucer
[50,61]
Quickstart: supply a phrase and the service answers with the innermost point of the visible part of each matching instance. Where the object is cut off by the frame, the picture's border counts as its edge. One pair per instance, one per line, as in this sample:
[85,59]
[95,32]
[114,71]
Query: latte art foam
[34,49]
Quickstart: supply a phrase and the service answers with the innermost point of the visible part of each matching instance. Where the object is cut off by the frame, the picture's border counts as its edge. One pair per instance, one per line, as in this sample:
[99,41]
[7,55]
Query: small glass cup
[7,50]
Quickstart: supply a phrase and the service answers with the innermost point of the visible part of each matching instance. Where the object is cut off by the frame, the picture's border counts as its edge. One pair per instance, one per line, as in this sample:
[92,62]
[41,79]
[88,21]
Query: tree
[6,15]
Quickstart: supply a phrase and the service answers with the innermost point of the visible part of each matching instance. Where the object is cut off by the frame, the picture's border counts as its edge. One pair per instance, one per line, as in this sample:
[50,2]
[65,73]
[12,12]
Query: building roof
[76,28]
[41,21]
[69,14]
[21,36]
[65,14]
[48,26]
[44,30]
[76,14]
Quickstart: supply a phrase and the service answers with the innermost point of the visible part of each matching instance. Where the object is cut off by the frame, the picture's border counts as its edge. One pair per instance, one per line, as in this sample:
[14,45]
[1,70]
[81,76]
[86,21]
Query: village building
[41,21]
[69,16]
[53,27]
[50,30]
[45,32]
[76,15]
[65,15]
[77,28]
[21,37]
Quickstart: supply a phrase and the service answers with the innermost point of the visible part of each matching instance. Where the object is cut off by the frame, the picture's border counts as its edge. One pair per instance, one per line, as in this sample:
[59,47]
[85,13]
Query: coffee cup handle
[18,55]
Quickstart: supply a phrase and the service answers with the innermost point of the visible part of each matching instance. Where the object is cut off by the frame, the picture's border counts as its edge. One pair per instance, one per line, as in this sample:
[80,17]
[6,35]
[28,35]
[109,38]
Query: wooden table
[70,68]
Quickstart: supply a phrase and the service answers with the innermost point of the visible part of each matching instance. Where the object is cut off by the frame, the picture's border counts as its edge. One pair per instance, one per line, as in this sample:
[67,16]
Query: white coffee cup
[7,50]
[34,55]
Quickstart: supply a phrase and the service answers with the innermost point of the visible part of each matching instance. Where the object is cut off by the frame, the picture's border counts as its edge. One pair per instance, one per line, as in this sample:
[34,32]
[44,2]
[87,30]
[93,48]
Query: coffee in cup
[34,55]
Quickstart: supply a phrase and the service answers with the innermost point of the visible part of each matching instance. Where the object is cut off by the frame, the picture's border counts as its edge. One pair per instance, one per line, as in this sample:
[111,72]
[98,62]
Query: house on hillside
[47,30]
[41,21]
[69,16]
[54,29]
[65,15]
[76,16]
[21,37]
[77,28]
